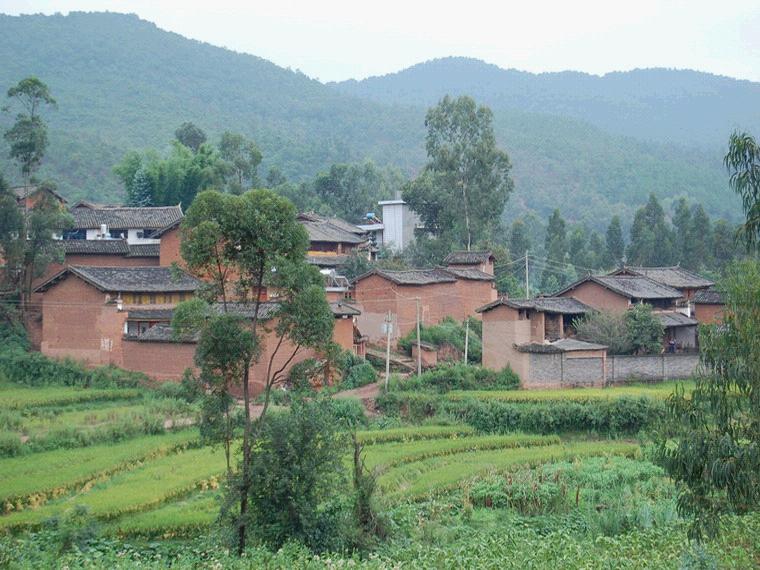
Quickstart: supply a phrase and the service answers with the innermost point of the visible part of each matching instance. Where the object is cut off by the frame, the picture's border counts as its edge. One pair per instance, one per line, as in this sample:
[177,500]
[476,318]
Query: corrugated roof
[412,276]
[708,297]
[469,273]
[468,257]
[672,319]
[562,305]
[630,286]
[673,276]
[126,218]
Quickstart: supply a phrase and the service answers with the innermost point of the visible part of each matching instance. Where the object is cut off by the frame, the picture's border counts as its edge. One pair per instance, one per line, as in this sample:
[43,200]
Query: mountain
[664,105]
[122,83]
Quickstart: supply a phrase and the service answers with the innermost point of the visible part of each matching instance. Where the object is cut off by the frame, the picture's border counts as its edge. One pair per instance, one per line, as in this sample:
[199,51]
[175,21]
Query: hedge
[459,377]
[625,414]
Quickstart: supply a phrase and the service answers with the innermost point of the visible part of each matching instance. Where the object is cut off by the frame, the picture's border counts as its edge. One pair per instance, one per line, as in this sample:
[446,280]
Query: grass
[16,398]
[30,480]
[413,433]
[657,391]
[439,474]
[391,454]
[143,488]
[81,419]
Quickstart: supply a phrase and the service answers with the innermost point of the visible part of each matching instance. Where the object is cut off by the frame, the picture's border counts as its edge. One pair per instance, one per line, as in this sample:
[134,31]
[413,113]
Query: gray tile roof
[630,286]
[561,345]
[708,297]
[126,218]
[467,257]
[330,230]
[674,276]
[340,309]
[129,279]
[95,246]
[327,260]
[143,314]
[144,250]
[22,192]
[563,305]
[469,273]
[412,276]
[672,319]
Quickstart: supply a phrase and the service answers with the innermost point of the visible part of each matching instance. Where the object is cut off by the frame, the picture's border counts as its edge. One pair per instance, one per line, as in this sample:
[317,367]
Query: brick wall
[708,314]
[598,297]
[169,247]
[622,369]
[501,331]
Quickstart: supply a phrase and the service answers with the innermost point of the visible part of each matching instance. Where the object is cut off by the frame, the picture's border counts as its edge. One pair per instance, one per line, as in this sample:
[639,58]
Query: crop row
[140,489]
[440,474]
[30,482]
[20,398]
[413,433]
[182,518]
[657,391]
[391,454]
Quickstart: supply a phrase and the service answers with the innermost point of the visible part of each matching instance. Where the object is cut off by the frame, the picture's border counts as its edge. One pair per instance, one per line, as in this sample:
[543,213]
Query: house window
[75,234]
[117,234]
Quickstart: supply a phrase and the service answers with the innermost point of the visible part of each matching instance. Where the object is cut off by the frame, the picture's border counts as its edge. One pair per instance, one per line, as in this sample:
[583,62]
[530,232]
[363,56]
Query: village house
[332,240]
[455,291]
[686,282]
[133,224]
[28,196]
[708,306]
[481,260]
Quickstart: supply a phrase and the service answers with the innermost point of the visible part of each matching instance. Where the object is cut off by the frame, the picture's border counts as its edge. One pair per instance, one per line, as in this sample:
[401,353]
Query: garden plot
[17,398]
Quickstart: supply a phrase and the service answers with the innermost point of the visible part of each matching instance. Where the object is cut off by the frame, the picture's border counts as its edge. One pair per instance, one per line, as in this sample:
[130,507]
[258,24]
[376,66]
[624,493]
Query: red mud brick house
[136,225]
[332,240]
[685,281]
[708,306]
[83,308]
[449,292]
[620,292]
[28,196]
[509,324]
[482,260]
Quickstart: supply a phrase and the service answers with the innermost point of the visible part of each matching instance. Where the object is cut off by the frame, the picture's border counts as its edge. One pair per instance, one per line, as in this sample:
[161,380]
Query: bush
[621,415]
[636,331]
[460,377]
[450,332]
[359,375]
[10,444]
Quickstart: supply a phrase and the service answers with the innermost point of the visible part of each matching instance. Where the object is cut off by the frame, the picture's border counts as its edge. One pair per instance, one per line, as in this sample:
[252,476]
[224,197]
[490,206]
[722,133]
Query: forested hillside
[121,84]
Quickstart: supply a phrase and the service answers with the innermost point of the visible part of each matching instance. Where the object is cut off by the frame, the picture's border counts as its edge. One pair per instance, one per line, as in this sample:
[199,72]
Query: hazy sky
[341,39]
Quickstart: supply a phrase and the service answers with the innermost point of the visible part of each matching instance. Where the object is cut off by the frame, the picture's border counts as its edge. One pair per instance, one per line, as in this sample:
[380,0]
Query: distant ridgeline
[595,145]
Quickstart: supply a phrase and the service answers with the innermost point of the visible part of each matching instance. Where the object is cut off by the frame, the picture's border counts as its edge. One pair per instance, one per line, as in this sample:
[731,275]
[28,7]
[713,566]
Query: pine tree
[615,243]
[140,192]
[700,238]
[682,222]
[651,237]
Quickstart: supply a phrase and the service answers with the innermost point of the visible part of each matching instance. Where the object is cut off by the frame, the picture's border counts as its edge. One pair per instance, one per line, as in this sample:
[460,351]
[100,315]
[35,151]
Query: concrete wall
[565,369]
[656,367]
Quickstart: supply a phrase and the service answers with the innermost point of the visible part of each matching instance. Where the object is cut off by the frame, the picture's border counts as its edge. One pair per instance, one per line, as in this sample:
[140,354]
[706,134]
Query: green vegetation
[659,390]
[413,433]
[13,398]
[448,333]
[457,376]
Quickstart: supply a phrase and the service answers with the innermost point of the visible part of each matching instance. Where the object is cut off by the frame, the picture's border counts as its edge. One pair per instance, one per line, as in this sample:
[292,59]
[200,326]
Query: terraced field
[658,391]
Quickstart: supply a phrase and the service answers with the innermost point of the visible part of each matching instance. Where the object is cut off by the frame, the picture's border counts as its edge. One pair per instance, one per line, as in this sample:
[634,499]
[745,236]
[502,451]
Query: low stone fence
[564,370]
[622,369]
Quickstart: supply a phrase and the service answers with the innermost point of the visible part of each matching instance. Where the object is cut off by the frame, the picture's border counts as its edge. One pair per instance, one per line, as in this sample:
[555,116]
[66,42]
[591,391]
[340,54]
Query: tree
[465,185]
[27,244]
[605,327]
[140,192]
[243,158]
[723,244]
[615,243]
[239,244]
[275,178]
[712,445]
[651,237]
[555,246]
[743,163]
[28,135]
[297,468]
[644,330]
[352,190]
[700,238]
[190,135]
[683,233]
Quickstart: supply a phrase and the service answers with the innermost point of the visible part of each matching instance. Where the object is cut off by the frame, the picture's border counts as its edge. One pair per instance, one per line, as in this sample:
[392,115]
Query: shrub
[460,377]
[450,332]
[10,444]
[359,375]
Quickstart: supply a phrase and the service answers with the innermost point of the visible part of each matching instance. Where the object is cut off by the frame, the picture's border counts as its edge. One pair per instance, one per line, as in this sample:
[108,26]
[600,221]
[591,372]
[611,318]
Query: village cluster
[111,300]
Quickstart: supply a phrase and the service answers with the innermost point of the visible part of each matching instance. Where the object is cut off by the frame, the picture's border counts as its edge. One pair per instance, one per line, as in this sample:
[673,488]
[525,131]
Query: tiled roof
[331,230]
[340,309]
[470,273]
[467,257]
[126,218]
[22,192]
[561,345]
[708,297]
[671,319]
[563,305]
[163,333]
[143,314]
[412,276]
[158,233]
[674,276]
[95,246]
[327,260]
[144,250]
[129,279]
[630,286]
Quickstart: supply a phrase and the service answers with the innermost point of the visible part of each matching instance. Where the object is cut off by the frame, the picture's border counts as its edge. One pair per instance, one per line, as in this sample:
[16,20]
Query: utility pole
[419,348]
[388,349]
[466,338]
[527,282]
